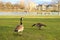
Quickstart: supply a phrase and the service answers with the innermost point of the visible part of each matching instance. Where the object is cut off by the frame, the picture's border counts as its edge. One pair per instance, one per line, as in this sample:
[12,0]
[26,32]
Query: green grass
[51,32]
[31,16]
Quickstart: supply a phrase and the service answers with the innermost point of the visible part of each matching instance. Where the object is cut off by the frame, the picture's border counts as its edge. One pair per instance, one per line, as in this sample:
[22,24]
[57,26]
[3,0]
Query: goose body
[19,28]
[39,25]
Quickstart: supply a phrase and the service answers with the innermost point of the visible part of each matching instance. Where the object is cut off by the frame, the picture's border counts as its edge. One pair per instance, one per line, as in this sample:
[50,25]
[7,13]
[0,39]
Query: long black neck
[21,21]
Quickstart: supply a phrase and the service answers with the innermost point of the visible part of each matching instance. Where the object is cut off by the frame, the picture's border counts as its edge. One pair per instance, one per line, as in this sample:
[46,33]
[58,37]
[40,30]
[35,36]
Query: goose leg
[20,33]
[40,28]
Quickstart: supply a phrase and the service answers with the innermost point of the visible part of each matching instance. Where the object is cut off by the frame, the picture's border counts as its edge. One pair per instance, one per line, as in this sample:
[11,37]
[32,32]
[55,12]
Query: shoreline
[29,16]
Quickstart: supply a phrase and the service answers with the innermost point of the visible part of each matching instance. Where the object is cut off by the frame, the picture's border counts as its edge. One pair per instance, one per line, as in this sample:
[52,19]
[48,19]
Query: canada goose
[19,28]
[39,25]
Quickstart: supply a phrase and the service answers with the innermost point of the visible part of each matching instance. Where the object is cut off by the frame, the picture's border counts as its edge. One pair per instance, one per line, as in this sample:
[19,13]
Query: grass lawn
[51,32]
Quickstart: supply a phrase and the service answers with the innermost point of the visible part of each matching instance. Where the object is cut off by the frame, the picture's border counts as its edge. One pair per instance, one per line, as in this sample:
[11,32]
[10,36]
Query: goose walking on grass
[20,27]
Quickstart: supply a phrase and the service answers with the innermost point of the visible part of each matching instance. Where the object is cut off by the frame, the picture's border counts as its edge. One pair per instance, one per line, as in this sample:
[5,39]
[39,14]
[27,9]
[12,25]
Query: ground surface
[51,32]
